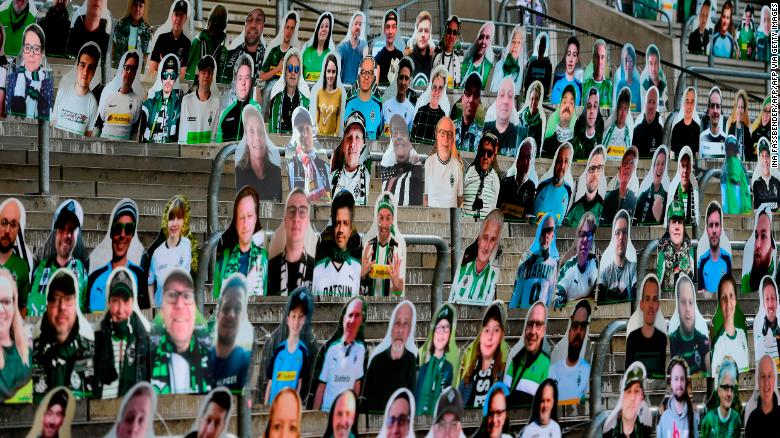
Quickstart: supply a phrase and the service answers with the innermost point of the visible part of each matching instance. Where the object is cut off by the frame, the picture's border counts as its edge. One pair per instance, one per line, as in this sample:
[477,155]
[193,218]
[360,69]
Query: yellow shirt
[328,112]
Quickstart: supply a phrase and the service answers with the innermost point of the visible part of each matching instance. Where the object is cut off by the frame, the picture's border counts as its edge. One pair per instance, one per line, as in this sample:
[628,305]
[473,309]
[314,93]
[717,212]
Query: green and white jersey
[337,281]
[574,284]
[198,119]
[472,287]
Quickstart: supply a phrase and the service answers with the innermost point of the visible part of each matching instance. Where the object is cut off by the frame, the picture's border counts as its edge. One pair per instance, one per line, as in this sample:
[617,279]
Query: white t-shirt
[74,113]
[534,430]
[443,182]
[198,121]
[180,374]
[120,113]
[735,347]
[392,107]
[764,343]
[573,382]
[341,368]
[331,281]
[163,260]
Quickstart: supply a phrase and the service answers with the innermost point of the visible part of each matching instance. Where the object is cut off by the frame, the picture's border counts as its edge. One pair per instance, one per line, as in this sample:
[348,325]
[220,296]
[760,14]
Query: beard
[573,352]
[4,249]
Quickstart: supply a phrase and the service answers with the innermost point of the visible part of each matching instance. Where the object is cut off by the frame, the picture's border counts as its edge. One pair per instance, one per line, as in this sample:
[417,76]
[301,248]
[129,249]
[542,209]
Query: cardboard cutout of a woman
[728,336]
[15,371]
[328,98]
[537,274]
[653,190]
[476,279]
[513,60]
[313,55]
[533,118]
[307,166]
[29,92]
[258,163]
[135,417]
[439,358]
[351,164]
[627,75]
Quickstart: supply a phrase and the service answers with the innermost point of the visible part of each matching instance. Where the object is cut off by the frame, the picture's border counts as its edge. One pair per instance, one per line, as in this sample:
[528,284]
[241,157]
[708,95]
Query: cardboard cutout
[165,31]
[180,341]
[392,364]
[591,188]
[675,251]
[121,242]
[734,187]
[328,98]
[238,46]
[476,279]
[307,165]
[199,119]
[439,359]
[120,101]
[431,106]
[627,75]
[211,41]
[568,72]
[729,328]
[76,109]
[483,66]
[444,171]
[236,240]
[258,163]
[343,416]
[16,386]
[400,405]
[292,247]
[29,91]
[688,333]
[391,106]
[619,128]
[312,61]
[502,117]
[529,359]
[135,417]
[534,427]
[66,363]
[532,116]
[654,75]
[618,271]
[713,252]
[341,362]
[579,268]
[351,162]
[537,274]
[421,49]
[513,60]
[558,130]
[753,410]
[216,404]
[13,218]
[648,135]
[539,66]
[60,406]
[711,143]
[726,381]
[383,271]
[494,412]
[481,367]
[241,95]
[589,127]
[278,121]
[454,59]
[351,56]
[278,371]
[161,111]
[600,63]
[759,258]
[554,192]
[571,362]
[765,181]
[686,125]
[79,35]
[653,190]
[401,167]
[120,39]
[766,333]
[233,336]
[684,188]
[638,405]
[275,55]
[481,183]
[117,371]
[650,351]
[518,185]
[339,252]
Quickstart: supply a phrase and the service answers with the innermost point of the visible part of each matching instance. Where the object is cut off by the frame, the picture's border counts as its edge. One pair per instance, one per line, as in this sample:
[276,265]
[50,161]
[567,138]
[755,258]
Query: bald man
[443,175]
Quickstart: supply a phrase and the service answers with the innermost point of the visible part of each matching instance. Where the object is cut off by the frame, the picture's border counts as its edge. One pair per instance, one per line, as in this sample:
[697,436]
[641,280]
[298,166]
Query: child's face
[295,321]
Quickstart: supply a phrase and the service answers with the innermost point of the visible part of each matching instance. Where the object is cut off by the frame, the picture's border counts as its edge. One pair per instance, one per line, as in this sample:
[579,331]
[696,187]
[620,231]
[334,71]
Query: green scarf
[736,177]
[197,358]
[231,260]
[511,67]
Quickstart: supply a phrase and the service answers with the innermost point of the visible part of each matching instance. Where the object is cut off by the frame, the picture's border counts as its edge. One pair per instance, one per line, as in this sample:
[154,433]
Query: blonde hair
[733,117]
[18,332]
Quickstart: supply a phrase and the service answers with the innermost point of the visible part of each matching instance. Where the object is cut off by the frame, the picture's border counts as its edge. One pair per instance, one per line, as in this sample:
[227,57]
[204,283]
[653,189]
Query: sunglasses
[128,228]
[728,387]
[169,75]
[487,153]
[452,31]
[293,68]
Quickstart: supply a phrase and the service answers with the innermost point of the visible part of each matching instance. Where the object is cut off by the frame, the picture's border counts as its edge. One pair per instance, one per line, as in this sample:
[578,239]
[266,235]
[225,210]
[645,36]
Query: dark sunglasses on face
[128,228]
[451,31]
[293,68]
[488,153]
[169,75]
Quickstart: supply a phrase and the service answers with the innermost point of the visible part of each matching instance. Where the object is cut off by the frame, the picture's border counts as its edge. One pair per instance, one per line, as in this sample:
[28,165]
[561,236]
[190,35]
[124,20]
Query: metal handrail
[603,346]
[597,425]
[652,246]
[708,175]
[659,11]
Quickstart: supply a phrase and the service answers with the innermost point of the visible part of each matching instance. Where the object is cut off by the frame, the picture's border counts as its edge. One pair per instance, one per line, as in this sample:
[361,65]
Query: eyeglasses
[169,75]
[293,68]
[437,87]
[128,228]
[451,31]
[32,48]
[366,73]
[487,153]
[594,169]
[715,105]
[442,329]
[728,387]
[172,296]
[293,211]
[401,420]
[445,133]
[129,68]
[5,223]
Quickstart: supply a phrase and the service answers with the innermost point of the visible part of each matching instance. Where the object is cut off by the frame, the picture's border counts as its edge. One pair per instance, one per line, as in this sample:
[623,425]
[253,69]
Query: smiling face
[179,312]
[584,241]
[686,307]
[490,338]
[572,56]
[390,29]
[649,304]
[659,167]
[437,88]
[441,335]
[516,45]
[135,417]
[651,104]
[728,301]
[496,414]
[295,223]
[591,111]
[6,310]
[763,237]
[246,220]
[354,144]
[487,241]
[566,109]
[120,242]
[654,65]
[714,229]
[562,161]
[766,378]
[486,153]
[322,35]
[254,26]
[726,395]
[403,80]
[213,421]
[622,114]
[244,82]
[175,224]
[484,40]
[633,397]
[52,421]
[504,101]
[384,225]
[533,334]
[423,33]
[397,419]
[65,239]
[676,231]
[713,110]
[120,309]
[343,227]
[32,51]
[451,36]
[594,173]
[689,103]
[366,74]
[129,72]
[330,74]
[255,141]
[344,413]
[770,301]
[725,20]
[177,21]
[445,137]
[546,405]
[229,317]
[353,319]
[292,73]
[402,326]
[168,80]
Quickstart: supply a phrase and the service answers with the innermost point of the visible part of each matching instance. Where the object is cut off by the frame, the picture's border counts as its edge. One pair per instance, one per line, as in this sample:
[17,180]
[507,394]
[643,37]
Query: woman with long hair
[484,360]
[328,97]
[15,351]
[738,125]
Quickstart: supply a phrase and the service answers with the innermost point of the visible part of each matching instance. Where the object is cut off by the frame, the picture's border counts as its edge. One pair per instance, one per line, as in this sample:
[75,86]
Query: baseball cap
[356,118]
[121,285]
[300,298]
[676,210]
[302,118]
[450,401]
[67,214]
[181,6]
[391,15]
[489,135]
[180,275]
[634,375]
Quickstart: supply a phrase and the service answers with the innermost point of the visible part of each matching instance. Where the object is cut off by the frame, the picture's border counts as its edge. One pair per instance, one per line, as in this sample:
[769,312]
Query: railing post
[603,347]
[644,259]
[708,175]
[244,400]
[455,225]
[204,257]
[43,157]
[215,180]
[198,10]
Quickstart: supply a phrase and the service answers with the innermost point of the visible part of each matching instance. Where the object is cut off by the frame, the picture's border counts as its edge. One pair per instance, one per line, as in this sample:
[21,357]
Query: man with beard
[503,125]
[389,52]
[678,418]
[347,171]
[563,132]
[649,132]
[647,344]
[467,129]
[337,273]
[383,250]
[591,201]
[617,280]
[600,81]
[763,255]
[675,253]
[15,18]
[293,267]
[306,170]
[517,192]
[365,101]
[179,355]
[121,342]
[650,206]
[553,194]
[403,177]
[122,230]
[621,198]
[766,333]
[392,368]
[476,279]
[76,109]
[537,275]
[160,112]
[716,261]
[572,373]
[481,184]
[712,139]
[530,366]
[11,234]
[229,362]
[766,188]
[352,48]
[766,414]
[252,46]
[589,127]
[63,349]
[400,104]
[54,417]
[693,346]
[443,172]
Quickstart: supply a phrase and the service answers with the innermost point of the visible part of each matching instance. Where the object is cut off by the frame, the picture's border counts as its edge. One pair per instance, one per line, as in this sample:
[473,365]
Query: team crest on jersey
[452,180]
[373,115]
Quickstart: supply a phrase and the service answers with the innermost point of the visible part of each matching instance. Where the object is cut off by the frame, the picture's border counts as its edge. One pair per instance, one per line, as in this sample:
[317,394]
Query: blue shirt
[552,200]
[232,370]
[710,272]
[350,59]
[285,367]
[560,84]
[371,111]
[722,45]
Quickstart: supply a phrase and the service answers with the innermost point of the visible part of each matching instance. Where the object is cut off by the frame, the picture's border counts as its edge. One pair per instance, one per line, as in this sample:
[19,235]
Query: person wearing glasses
[17,348]
[481,183]
[230,126]
[180,342]
[647,343]
[623,196]
[287,94]
[449,412]
[724,419]
[444,174]
[117,249]
[572,372]
[228,358]
[449,53]
[594,184]
[294,265]
[530,364]
[13,252]
[494,414]
[366,100]
[64,345]
[121,340]
[399,416]
[161,110]
[119,109]
[29,90]
[16,16]
[713,138]
[580,269]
